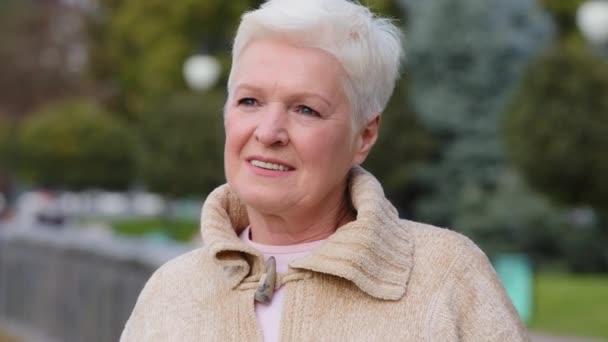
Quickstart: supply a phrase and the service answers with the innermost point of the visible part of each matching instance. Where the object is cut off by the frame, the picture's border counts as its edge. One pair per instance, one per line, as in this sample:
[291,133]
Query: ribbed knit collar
[375,251]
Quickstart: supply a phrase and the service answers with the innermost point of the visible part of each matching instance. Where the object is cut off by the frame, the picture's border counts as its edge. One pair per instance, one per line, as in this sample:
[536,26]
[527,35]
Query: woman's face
[289,132]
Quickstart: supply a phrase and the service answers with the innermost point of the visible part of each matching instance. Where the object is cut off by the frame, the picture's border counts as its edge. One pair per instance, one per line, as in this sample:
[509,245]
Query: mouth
[270,165]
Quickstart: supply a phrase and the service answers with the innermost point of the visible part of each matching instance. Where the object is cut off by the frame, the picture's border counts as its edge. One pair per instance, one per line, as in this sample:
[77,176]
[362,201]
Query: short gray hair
[369,48]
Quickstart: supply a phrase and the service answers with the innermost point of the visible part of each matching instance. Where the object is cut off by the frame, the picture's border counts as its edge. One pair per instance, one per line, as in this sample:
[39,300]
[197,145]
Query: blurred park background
[111,136]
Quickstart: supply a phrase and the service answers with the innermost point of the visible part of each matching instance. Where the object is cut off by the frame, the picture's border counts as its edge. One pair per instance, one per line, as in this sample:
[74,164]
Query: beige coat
[378,278]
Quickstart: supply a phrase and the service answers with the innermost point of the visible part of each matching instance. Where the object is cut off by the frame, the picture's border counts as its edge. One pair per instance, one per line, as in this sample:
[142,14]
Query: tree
[556,129]
[564,14]
[42,55]
[513,219]
[139,46]
[7,145]
[465,58]
[75,145]
[7,164]
[403,145]
[555,133]
[180,145]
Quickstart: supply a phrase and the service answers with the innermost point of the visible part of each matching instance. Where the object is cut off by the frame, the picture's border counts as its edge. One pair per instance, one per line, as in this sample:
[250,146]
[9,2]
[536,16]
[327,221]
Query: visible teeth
[269,166]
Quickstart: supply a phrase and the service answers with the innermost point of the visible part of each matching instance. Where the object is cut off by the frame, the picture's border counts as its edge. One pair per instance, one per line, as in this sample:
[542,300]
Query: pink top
[269,315]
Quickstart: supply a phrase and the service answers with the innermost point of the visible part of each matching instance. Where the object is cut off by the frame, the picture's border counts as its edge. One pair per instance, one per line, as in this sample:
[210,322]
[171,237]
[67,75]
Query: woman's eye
[307,111]
[248,101]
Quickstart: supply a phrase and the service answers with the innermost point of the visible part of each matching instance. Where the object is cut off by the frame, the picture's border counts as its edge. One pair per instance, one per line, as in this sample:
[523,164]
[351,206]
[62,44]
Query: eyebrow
[250,87]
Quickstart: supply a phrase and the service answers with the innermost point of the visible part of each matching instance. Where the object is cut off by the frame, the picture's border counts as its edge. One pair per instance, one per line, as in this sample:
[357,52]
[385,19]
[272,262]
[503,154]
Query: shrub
[466,57]
[7,145]
[74,144]
[180,145]
[557,128]
[403,144]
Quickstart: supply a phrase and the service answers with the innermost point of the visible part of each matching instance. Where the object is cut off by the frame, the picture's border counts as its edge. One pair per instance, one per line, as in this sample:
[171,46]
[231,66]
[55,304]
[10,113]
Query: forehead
[277,63]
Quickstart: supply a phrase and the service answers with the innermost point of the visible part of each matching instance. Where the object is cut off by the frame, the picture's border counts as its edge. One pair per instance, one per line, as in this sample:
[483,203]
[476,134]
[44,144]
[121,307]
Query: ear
[366,138]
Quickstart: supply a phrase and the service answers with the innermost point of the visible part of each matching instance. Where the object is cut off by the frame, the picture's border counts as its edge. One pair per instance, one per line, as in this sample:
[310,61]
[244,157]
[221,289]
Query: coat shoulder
[429,236]
[441,246]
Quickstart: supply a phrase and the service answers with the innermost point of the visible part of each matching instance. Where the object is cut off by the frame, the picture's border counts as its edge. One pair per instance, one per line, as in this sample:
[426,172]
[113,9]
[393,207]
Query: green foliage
[139,46]
[384,8]
[7,145]
[557,127]
[564,14]
[571,305]
[179,230]
[584,248]
[180,149]
[75,145]
[512,219]
[402,145]
[465,58]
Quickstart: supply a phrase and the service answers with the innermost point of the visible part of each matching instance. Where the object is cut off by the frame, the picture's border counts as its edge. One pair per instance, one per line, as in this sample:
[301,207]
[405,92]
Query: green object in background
[515,271]
[158,228]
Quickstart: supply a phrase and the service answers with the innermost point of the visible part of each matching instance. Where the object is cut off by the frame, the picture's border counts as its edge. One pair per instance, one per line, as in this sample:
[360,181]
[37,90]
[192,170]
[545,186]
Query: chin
[267,208]
[261,198]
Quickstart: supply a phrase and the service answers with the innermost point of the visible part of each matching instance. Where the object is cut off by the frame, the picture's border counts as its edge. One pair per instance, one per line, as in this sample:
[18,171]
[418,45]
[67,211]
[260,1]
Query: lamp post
[201,72]
[592,20]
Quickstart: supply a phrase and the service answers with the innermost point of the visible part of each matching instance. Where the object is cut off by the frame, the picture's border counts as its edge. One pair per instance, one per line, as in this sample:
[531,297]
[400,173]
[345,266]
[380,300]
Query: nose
[271,129]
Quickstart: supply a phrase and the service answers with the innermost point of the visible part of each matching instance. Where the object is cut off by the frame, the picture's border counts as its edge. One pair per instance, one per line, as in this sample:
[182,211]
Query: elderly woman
[301,244]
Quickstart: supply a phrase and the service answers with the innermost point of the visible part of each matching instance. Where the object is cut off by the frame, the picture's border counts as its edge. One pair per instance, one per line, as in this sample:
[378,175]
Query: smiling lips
[270,165]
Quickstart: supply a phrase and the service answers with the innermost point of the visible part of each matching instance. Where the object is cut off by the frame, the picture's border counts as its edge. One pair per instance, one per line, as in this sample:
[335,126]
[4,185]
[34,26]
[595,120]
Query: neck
[311,224]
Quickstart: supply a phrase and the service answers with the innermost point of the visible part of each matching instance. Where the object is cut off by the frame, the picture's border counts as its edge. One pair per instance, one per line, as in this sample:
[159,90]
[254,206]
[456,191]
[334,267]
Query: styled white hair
[369,48]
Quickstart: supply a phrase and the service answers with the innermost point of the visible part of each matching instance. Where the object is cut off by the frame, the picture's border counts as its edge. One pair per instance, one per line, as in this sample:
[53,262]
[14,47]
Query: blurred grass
[573,305]
[176,229]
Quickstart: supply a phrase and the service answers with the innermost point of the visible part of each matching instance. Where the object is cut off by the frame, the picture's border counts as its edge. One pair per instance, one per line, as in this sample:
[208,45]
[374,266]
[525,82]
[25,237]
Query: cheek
[236,129]
[337,150]
[236,137]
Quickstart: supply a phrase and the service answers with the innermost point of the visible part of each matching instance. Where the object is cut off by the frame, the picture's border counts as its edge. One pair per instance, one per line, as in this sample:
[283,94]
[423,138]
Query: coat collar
[375,251]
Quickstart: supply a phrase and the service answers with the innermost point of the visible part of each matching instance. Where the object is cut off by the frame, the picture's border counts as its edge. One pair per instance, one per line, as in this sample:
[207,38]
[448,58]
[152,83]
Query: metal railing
[74,285]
